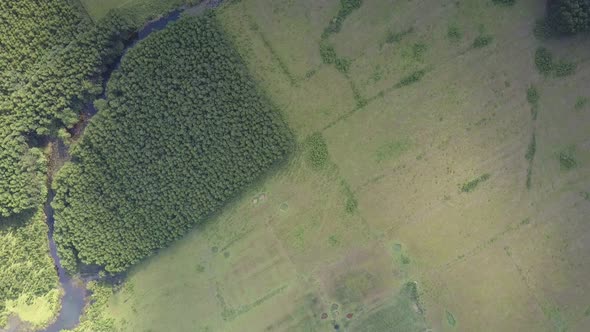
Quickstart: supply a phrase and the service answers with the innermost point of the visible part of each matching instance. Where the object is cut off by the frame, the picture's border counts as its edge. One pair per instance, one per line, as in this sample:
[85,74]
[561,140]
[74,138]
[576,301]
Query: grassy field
[413,165]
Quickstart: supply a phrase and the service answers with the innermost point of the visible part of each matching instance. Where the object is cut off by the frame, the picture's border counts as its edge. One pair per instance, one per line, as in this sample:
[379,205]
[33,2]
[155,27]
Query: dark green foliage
[531,150]
[29,29]
[316,151]
[22,176]
[185,129]
[532,95]
[471,185]
[581,103]
[328,53]
[482,41]
[30,32]
[418,51]
[454,33]
[544,60]
[564,68]
[350,201]
[395,37]
[546,64]
[504,2]
[567,159]
[347,7]
[342,64]
[412,78]
[568,16]
[49,92]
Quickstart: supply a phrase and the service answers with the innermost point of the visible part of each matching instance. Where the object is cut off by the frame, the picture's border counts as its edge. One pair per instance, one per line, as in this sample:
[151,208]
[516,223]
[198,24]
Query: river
[75,293]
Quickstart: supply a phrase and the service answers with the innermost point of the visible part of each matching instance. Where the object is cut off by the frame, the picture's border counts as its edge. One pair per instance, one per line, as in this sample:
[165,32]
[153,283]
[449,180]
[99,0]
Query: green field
[415,163]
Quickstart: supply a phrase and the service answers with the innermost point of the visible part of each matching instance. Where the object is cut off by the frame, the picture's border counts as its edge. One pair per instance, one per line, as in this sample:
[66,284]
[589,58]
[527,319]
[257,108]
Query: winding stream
[75,293]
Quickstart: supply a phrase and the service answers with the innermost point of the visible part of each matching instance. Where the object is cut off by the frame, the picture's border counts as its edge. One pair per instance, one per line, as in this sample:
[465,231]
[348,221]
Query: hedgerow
[185,128]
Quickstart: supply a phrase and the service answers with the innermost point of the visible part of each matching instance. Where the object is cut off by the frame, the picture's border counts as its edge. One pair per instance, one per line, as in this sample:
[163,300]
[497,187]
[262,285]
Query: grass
[473,184]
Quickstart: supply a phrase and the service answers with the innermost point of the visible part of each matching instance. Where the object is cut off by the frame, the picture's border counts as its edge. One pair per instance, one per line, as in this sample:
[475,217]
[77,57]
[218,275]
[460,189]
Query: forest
[183,129]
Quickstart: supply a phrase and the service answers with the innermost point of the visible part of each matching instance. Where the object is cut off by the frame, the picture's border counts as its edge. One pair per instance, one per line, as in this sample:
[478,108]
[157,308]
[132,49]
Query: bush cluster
[547,65]
[185,128]
[317,151]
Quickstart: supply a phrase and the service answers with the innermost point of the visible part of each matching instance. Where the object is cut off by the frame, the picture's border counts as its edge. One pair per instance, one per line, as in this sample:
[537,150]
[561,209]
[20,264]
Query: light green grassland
[386,207]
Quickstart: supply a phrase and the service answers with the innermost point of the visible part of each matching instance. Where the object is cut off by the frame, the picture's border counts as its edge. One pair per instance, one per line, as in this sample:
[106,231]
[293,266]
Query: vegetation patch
[471,185]
[451,319]
[567,159]
[346,8]
[28,276]
[350,201]
[411,78]
[454,33]
[396,37]
[316,151]
[504,2]
[581,103]
[185,129]
[392,150]
[547,65]
[482,41]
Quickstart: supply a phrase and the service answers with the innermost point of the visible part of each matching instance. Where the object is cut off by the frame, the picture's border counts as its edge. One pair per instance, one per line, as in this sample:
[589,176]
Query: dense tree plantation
[44,95]
[569,16]
[183,130]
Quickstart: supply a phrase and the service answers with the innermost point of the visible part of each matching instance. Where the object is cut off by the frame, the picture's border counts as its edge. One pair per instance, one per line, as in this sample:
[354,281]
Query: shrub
[564,68]
[454,33]
[342,64]
[532,95]
[567,159]
[327,53]
[471,185]
[482,41]
[396,37]
[317,151]
[410,79]
[531,150]
[544,60]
